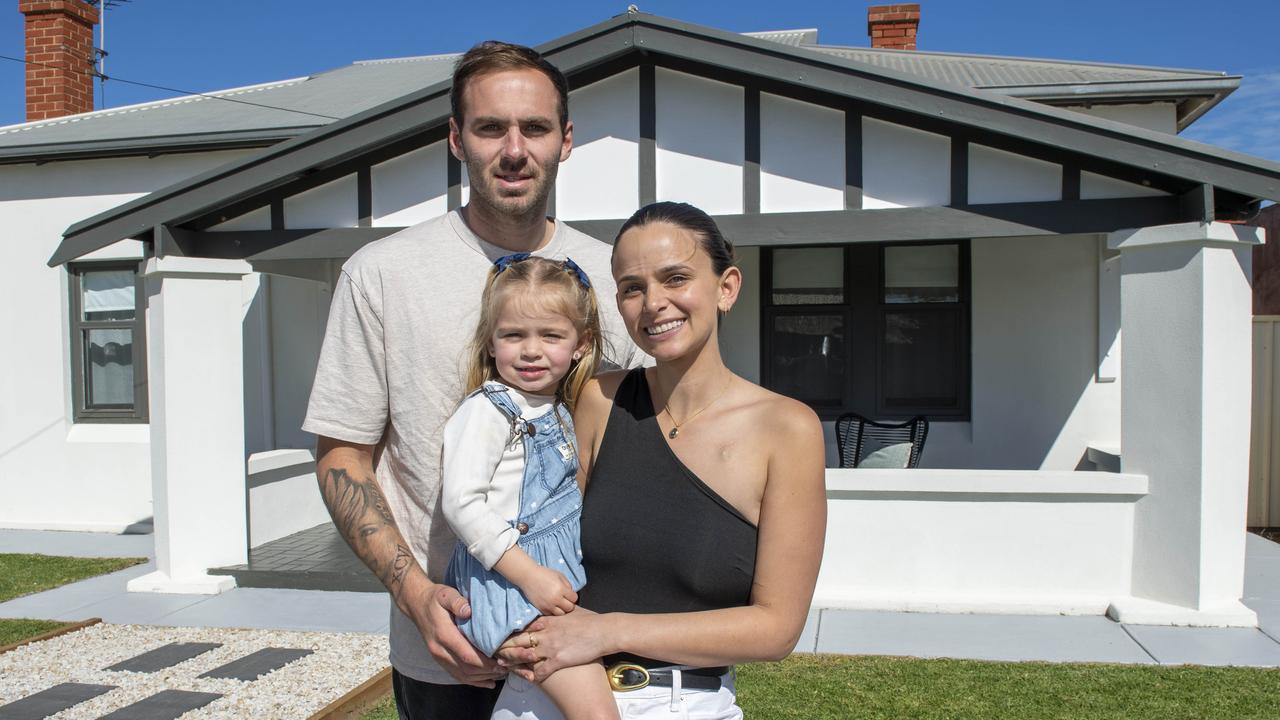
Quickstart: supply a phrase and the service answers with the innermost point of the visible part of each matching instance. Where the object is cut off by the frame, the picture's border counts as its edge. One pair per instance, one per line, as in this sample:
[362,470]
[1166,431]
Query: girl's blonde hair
[557,287]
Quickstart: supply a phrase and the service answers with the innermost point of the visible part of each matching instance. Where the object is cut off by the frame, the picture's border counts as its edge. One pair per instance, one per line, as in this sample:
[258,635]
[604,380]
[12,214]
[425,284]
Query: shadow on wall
[1036,403]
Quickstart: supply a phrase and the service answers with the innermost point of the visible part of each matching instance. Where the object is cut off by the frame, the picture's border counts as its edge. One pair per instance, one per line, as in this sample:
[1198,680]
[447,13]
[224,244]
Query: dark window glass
[920,360]
[877,329]
[808,358]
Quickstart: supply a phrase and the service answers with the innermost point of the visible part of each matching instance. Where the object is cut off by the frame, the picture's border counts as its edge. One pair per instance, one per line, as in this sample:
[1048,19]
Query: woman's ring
[533,641]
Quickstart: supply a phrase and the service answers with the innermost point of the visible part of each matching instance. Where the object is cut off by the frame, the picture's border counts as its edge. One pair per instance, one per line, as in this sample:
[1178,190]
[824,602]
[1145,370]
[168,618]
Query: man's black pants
[417,700]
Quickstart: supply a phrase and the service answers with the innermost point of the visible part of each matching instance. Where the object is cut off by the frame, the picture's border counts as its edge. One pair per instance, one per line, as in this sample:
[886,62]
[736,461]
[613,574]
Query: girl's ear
[492,352]
[583,345]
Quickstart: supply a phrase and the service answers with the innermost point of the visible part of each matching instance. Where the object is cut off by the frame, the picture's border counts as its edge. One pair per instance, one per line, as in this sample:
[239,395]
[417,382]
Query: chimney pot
[893,26]
[59,49]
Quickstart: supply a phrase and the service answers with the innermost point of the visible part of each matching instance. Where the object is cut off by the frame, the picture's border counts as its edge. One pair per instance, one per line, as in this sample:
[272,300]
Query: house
[959,236]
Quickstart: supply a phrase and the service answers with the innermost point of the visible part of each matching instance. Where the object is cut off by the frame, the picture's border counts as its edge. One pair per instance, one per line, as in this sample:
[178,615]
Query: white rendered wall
[329,206]
[411,188]
[1161,117]
[801,156]
[700,146]
[978,540]
[283,495]
[740,329]
[1099,187]
[997,176]
[601,179]
[904,167]
[259,219]
[56,474]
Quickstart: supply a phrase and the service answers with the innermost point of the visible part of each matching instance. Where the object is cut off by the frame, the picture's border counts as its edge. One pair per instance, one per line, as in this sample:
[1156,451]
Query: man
[389,373]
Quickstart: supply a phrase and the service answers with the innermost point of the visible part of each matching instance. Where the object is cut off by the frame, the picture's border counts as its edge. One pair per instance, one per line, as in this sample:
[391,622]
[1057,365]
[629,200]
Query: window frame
[866,312]
[81,413]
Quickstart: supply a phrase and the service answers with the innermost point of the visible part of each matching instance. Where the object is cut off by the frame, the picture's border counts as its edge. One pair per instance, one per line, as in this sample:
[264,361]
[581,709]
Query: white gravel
[341,662]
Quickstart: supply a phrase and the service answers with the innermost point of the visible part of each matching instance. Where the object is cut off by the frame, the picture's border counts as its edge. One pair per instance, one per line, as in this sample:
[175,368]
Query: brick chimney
[893,26]
[59,34]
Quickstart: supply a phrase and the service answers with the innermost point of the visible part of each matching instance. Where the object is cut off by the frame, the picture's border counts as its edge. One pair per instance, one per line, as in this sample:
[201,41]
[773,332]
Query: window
[882,330]
[108,352]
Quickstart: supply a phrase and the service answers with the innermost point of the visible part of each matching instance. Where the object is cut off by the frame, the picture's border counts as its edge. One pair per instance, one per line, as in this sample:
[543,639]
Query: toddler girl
[510,464]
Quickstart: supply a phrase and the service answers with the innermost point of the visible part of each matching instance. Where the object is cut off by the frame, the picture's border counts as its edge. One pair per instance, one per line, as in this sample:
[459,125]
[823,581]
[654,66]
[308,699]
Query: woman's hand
[549,591]
[577,638]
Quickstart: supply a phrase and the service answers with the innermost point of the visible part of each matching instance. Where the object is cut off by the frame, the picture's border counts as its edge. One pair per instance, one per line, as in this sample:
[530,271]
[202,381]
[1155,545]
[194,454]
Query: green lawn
[26,574]
[831,687]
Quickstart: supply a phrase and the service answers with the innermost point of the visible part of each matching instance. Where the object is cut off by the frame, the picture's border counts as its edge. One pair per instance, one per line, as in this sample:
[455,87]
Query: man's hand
[549,591]
[432,608]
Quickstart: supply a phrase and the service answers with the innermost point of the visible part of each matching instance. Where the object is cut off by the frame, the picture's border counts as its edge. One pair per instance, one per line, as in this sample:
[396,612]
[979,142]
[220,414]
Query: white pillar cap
[1216,233]
[177,265]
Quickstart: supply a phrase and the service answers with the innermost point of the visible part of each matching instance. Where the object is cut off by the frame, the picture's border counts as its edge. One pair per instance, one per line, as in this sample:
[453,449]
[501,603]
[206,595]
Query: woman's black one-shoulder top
[655,538]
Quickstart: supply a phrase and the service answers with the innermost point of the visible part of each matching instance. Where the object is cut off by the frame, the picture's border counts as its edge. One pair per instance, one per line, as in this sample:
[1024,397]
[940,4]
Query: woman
[705,509]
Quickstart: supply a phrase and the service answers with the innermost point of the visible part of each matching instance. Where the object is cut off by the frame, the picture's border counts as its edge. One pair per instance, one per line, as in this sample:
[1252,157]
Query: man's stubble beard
[520,209]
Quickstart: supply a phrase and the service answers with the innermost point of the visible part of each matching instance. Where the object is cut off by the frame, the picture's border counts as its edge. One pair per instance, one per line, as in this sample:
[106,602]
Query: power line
[175,90]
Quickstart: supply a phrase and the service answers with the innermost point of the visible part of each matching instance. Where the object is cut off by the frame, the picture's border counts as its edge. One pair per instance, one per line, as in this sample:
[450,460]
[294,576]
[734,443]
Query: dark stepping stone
[163,657]
[52,701]
[255,665]
[164,705]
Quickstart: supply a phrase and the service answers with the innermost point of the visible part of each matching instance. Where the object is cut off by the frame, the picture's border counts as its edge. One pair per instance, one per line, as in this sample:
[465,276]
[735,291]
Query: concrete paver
[1046,638]
[76,544]
[287,610]
[1207,646]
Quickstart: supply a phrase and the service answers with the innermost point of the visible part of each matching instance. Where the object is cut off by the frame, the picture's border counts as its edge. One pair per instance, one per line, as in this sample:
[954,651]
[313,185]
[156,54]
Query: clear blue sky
[214,44]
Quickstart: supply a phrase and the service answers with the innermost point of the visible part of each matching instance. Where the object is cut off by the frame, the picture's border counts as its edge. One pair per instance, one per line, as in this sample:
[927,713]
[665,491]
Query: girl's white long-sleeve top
[482,473]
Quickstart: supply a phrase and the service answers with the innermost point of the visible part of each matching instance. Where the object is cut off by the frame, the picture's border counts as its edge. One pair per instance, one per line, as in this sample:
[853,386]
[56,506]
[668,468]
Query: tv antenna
[100,52]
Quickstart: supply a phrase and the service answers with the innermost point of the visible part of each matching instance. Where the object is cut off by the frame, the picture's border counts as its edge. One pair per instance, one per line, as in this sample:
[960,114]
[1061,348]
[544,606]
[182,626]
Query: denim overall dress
[548,521]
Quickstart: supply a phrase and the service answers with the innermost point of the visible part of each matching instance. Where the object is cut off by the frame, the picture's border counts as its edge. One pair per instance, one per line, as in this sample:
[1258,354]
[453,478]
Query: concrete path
[1046,638]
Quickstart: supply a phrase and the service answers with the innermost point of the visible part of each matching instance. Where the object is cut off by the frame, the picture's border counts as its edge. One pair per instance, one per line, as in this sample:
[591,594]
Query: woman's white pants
[521,700]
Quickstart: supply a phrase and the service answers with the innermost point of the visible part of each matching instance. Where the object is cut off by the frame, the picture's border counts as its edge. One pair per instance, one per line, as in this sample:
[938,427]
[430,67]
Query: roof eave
[148,146]
[1193,98]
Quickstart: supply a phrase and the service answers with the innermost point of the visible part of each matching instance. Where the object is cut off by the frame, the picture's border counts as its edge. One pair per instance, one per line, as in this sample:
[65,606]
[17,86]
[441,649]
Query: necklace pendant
[675,433]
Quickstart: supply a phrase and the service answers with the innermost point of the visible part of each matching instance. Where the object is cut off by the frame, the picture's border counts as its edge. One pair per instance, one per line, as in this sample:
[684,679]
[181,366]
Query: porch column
[1185,359]
[196,380]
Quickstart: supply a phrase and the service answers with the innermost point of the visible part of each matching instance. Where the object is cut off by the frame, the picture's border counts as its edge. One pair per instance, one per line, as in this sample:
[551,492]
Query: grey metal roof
[194,122]
[279,110]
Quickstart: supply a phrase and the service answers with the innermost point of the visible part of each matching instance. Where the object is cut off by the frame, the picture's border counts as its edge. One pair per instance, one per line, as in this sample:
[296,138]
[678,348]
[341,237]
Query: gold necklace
[675,426]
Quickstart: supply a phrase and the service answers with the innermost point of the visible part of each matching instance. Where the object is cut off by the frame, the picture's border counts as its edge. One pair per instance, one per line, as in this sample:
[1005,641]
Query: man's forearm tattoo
[361,514]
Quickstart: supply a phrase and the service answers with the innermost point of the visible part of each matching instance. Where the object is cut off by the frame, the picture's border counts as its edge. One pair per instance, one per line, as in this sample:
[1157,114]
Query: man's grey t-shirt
[403,311]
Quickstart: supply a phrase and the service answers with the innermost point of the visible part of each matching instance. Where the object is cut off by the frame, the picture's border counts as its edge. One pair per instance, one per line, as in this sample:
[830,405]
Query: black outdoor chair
[857,438]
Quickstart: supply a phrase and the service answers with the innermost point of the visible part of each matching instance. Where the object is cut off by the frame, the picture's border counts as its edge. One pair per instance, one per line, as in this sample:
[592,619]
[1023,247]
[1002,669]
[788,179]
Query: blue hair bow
[507,261]
[572,266]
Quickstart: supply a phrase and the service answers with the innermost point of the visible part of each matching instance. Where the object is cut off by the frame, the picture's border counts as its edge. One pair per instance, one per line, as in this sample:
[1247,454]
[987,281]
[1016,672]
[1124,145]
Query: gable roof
[267,113]
[343,141]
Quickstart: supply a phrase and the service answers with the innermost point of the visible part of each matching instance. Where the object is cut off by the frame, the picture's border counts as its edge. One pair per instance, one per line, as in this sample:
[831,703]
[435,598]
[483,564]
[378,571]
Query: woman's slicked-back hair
[494,56]
[687,217]
[553,286]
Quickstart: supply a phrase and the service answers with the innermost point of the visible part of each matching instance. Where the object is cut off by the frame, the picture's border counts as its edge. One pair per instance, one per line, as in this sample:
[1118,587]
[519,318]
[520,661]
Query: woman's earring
[577,356]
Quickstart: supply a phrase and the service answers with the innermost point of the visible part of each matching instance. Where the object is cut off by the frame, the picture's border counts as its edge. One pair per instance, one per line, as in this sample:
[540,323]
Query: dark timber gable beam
[347,146]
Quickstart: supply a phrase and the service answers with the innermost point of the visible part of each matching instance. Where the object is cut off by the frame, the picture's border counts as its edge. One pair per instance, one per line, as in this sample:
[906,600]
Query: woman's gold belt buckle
[618,679]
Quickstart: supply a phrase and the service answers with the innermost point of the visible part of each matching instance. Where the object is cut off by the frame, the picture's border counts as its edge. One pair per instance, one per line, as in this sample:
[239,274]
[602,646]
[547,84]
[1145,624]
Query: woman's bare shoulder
[780,414]
[605,385]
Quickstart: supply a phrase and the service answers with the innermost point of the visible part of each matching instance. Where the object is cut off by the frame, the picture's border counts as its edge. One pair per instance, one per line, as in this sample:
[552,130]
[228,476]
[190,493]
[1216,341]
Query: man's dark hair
[495,56]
